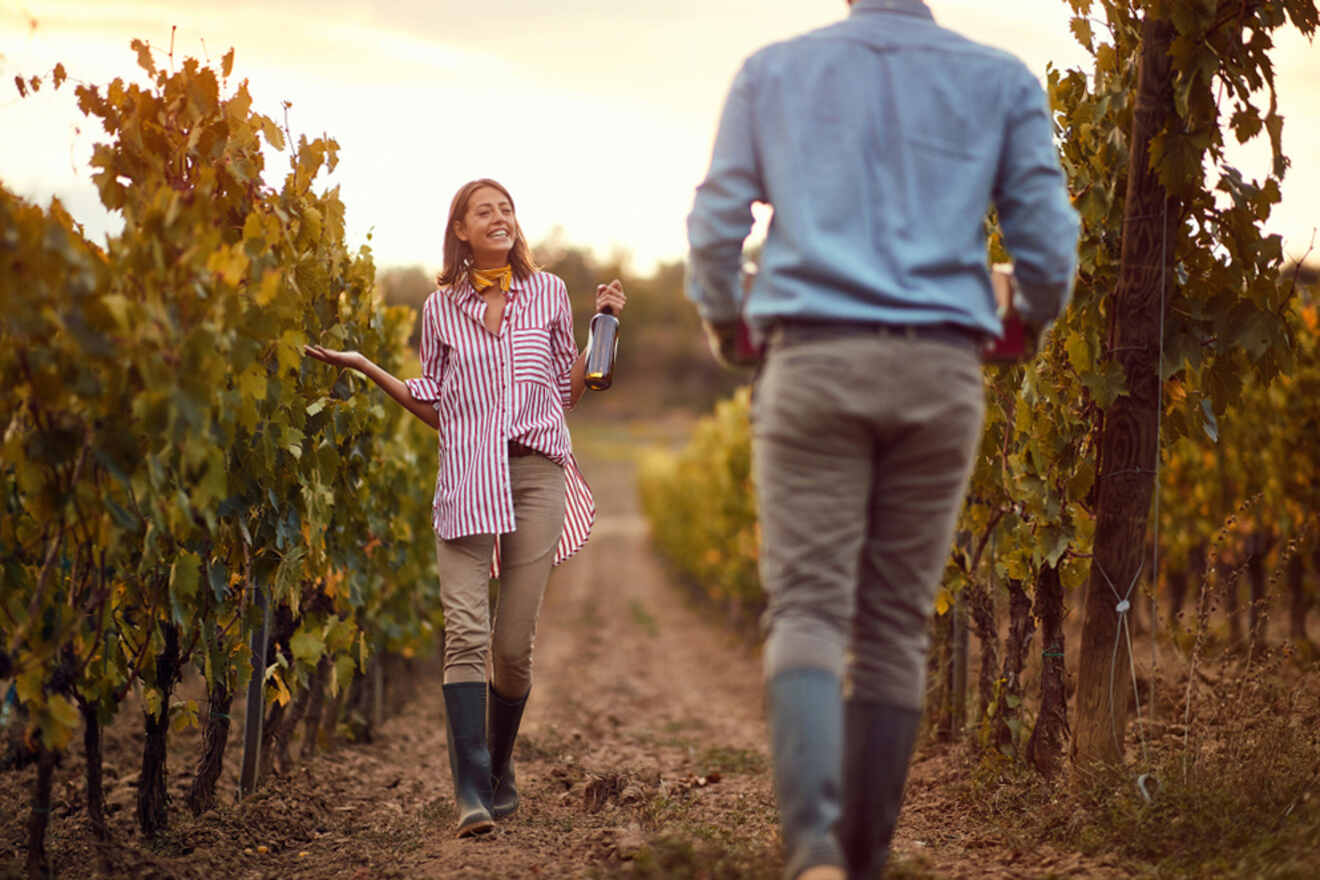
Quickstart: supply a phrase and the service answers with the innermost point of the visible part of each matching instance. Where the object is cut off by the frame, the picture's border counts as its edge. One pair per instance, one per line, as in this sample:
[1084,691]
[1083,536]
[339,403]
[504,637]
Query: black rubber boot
[505,716]
[806,733]
[878,741]
[469,758]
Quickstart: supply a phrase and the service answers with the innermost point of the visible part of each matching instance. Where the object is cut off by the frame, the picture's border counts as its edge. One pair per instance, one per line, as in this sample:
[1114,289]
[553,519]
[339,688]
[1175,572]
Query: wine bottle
[602,346]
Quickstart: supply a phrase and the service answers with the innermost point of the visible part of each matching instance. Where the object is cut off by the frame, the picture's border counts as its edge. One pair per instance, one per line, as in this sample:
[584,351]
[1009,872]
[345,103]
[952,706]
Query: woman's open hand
[610,296]
[352,360]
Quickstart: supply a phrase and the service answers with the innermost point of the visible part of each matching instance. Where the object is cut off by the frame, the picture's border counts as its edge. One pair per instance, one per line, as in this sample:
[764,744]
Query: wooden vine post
[1128,440]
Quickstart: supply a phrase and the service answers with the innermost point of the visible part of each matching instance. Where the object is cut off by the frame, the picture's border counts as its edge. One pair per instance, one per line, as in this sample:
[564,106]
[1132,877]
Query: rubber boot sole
[477,826]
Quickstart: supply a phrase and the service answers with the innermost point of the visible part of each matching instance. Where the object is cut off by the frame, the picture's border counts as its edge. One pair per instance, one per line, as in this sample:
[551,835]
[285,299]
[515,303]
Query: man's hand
[730,344]
[1019,340]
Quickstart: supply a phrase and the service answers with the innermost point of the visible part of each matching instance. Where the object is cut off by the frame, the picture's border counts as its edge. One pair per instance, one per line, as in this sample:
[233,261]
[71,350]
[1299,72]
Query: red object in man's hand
[731,343]
[1014,346]
[1017,343]
[746,353]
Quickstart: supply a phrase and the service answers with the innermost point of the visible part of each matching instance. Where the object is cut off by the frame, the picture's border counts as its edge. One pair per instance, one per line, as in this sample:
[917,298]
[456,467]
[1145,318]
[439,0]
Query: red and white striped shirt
[488,390]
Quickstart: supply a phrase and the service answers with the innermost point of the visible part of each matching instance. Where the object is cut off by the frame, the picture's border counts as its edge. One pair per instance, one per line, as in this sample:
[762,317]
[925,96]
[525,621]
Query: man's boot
[505,716]
[878,741]
[469,758]
[806,722]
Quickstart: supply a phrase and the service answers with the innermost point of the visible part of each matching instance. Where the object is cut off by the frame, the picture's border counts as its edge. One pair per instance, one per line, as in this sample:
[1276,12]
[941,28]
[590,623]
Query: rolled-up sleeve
[1031,195]
[431,352]
[721,214]
[563,346]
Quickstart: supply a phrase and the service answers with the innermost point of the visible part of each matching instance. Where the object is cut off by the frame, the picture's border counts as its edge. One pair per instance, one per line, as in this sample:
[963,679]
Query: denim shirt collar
[904,7]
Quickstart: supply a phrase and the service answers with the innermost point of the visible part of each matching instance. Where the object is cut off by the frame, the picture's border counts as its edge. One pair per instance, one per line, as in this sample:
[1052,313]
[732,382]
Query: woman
[499,370]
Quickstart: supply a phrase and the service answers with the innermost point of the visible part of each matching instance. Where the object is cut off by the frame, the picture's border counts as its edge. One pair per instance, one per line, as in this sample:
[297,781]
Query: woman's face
[489,226]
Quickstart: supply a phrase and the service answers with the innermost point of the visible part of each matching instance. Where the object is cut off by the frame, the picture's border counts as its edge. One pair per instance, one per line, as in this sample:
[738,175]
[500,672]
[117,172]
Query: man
[880,142]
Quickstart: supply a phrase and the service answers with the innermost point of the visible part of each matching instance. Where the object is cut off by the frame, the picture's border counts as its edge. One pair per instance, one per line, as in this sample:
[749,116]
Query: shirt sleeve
[563,347]
[431,352]
[721,214]
[1039,222]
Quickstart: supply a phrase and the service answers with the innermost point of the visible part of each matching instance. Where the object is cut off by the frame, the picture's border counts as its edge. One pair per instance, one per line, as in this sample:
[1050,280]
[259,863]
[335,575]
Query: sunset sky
[597,114]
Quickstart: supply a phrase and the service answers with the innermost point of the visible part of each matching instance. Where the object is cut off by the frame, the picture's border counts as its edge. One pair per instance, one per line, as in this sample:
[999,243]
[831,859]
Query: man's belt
[788,331]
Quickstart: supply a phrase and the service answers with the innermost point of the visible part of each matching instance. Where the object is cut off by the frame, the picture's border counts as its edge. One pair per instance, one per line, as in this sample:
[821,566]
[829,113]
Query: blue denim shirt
[881,141]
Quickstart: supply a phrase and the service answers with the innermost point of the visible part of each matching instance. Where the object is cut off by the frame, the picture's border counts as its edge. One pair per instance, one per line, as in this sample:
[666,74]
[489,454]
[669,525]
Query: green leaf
[345,668]
[123,518]
[1079,485]
[185,574]
[217,575]
[1106,383]
[1259,333]
[308,648]
[1078,347]
[340,636]
[1059,541]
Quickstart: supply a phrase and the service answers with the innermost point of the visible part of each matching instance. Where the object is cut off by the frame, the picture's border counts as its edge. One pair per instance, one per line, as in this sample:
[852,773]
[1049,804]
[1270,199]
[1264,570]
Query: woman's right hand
[352,360]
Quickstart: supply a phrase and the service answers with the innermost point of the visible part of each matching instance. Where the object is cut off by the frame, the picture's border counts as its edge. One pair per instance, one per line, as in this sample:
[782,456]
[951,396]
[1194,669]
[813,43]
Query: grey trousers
[862,449]
[526,557]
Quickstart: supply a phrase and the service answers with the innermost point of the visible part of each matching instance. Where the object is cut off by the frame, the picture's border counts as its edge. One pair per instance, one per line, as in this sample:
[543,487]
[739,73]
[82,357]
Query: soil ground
[643,754]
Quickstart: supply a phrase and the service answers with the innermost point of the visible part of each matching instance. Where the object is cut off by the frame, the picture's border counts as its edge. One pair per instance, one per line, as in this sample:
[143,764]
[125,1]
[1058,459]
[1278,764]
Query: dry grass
[1236,793]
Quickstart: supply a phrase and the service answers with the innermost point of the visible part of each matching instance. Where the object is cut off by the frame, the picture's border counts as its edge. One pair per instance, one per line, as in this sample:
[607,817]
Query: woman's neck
[489,261]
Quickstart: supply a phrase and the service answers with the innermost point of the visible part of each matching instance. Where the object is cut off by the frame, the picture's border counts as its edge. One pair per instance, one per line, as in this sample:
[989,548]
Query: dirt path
[643,754]
[644,718]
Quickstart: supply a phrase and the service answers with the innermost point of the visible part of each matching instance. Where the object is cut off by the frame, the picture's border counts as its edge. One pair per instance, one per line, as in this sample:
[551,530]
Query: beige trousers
[526,557]
[862,449]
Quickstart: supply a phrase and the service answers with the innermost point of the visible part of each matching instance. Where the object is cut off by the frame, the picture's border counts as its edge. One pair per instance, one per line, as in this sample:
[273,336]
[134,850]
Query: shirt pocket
[532,361]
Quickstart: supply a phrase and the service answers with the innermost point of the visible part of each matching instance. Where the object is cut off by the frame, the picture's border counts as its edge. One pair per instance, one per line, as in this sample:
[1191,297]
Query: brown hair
[458,253]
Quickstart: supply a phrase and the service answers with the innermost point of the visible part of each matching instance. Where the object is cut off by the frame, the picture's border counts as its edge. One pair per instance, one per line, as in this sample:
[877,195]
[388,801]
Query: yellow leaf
[117,305]
[64,711]
[30,686]
[289,349]
[151,701]
[58,720]
[252,382]
[269,288]
[229,263]
[282,695]
[943,602]
[183,715]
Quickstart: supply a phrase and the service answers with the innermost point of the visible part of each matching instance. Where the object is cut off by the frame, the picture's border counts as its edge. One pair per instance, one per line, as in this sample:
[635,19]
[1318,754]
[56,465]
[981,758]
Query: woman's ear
[460,232]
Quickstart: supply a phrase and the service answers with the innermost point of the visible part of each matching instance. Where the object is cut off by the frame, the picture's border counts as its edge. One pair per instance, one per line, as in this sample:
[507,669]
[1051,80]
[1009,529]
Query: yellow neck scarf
[483,278]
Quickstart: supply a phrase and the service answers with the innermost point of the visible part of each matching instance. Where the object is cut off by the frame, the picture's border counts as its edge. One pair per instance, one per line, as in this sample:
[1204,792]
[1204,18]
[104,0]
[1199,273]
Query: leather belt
[790,331]
[517,450]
